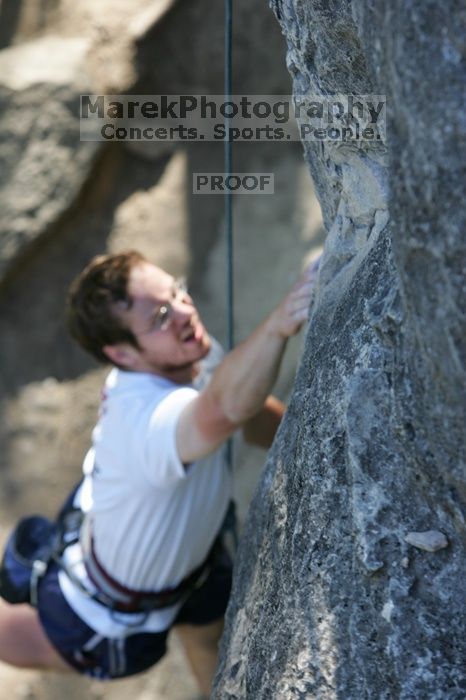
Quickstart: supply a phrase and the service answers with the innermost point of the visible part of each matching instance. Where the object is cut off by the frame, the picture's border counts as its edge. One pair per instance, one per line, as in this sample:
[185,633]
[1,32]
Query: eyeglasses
[162,318]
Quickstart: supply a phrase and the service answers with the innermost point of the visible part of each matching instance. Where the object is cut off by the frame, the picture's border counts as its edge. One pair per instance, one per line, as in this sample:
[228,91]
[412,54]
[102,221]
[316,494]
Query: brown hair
[90,316]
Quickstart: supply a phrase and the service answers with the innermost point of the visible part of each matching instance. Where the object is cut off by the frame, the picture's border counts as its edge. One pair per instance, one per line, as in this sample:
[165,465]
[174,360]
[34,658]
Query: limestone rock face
[330,600]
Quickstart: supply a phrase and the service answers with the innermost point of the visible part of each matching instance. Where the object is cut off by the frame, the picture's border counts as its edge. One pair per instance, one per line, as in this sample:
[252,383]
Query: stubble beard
[184,372]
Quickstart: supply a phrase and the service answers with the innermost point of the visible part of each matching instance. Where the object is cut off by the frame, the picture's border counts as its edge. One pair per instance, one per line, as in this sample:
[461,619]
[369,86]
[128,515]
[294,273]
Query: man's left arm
[260,429]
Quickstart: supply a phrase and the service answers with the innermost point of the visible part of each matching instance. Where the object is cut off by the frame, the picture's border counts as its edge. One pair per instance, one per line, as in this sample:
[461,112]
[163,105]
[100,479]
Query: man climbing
[156,487]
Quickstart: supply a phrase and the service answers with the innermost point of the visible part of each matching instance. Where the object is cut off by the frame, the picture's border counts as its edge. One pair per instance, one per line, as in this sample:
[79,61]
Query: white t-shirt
[153,520]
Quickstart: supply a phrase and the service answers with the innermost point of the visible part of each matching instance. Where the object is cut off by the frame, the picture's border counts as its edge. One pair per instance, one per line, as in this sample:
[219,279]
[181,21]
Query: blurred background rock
[63,201]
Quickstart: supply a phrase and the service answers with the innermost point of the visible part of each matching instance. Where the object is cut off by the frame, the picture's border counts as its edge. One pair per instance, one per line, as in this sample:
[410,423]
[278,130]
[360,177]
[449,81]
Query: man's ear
[121,354]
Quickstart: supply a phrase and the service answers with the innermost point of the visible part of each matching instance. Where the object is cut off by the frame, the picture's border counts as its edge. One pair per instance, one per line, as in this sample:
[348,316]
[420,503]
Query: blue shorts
[101,657]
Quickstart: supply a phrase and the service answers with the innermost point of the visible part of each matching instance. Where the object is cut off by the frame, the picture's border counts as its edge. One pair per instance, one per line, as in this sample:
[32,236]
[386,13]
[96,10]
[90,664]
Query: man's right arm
[242,382]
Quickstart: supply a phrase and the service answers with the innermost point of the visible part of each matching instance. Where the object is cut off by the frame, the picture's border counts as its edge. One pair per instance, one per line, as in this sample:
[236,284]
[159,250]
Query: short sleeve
[162,464]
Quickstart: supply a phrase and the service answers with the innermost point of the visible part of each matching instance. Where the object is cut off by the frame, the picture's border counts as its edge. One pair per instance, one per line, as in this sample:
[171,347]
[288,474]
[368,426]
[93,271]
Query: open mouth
[193,333]
[189,337]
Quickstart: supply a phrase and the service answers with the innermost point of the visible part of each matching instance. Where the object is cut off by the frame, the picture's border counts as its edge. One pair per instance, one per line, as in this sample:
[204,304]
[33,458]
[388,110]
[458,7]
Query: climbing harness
[36,542]
[121,598]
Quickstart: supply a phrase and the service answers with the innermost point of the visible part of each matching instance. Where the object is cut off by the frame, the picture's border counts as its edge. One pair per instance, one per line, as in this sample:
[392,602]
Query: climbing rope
[228,154]
[230,527]
[228,168]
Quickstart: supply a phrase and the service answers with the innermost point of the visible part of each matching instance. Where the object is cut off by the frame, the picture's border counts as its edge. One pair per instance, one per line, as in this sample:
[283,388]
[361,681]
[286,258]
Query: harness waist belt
[124,599]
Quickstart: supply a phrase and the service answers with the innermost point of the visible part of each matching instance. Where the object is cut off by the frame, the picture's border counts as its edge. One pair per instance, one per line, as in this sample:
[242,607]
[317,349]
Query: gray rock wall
[330,600]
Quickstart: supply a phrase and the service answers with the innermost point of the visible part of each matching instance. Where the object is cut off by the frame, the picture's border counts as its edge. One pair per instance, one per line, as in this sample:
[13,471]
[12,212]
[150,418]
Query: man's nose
[183,307]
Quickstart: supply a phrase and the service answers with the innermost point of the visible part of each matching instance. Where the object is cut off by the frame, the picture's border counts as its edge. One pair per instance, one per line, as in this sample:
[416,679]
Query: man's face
[166,324]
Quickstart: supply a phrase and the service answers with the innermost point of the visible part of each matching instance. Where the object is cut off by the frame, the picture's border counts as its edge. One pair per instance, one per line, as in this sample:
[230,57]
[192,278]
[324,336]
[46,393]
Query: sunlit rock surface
[43,163]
